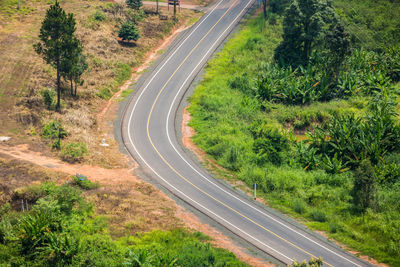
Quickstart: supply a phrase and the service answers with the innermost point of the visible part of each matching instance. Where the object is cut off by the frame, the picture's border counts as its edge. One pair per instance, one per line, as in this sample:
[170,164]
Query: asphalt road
[149,135]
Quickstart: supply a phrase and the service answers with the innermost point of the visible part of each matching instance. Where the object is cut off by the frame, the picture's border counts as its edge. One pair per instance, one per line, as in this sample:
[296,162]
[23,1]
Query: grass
[224,115]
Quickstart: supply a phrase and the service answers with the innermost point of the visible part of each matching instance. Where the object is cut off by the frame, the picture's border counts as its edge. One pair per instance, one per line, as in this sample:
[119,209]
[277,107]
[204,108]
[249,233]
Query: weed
[73,152]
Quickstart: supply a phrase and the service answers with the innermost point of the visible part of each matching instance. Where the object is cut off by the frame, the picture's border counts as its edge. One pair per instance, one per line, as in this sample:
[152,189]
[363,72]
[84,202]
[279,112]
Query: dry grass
[23,73]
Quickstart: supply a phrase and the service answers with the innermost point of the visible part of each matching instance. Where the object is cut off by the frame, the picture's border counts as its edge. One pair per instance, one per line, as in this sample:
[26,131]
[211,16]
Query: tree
[74,65]
[337,41]
[304,23]
[264,3]
[135,4]
[77,70]
[364,189]
[55,36]
[129,31]
[278,6]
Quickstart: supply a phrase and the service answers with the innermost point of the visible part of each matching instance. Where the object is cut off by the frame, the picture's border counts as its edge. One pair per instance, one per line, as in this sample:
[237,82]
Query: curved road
[148,132]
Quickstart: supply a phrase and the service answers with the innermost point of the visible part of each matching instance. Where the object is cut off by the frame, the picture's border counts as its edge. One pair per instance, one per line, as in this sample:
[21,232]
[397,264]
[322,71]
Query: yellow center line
[187,180]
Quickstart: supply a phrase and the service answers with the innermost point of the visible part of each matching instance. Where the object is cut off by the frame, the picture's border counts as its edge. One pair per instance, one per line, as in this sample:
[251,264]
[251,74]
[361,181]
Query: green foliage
[53,130]
[84,183]
[346,140]
[311,263]
[48,97]
[364,189]
[134,4]
[318,216]
[73,152]
[58,44]
[309,184]
[303,25]
[128,31]
[58,231]
[373,25]
[98,15]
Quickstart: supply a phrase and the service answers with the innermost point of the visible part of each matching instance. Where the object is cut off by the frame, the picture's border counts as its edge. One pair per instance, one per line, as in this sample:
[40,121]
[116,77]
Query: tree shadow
[127,43]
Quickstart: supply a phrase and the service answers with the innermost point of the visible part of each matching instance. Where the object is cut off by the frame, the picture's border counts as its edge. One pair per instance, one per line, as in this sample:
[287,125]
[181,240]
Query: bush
[299,206]
[53,130]
[73,152]
[84,183]
[318,216]
[128,31]
[135,4]
[99,16]
[48,97]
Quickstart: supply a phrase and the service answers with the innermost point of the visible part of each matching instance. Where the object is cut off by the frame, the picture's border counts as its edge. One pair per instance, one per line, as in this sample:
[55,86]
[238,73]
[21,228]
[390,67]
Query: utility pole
[19,4]
[174,9]
[255,191]
[157,6]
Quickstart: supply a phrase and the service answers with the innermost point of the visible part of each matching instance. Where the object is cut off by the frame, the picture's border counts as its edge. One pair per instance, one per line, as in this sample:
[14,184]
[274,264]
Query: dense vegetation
[61,229]
[316,127]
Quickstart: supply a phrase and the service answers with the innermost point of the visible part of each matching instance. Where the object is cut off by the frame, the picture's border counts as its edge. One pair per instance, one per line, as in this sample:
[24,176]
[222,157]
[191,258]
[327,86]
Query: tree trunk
[265,8]
[72,87]
[76,88]
[58,107]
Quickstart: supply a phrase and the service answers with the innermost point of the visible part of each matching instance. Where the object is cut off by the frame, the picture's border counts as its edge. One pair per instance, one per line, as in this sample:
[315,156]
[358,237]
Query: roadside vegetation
[60,228]
[304,102]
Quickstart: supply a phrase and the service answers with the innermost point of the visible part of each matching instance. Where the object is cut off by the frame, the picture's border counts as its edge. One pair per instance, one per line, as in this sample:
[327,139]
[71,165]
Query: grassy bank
[257,140]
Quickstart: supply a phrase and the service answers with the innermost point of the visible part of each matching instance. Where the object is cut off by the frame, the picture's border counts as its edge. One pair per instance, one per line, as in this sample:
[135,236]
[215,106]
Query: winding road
[149,135]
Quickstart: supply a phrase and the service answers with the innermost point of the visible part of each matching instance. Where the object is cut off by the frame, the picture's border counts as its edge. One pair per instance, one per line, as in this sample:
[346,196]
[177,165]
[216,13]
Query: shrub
[48,97]
[104,93]
[73,152]
[135,4]
[128,31]
[84,183]
[299,206]
[99,16]
[318,216]
[53,130]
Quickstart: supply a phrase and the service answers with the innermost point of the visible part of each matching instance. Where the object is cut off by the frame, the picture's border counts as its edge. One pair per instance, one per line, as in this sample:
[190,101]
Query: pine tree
[135,4]
[128,31]
[56,34]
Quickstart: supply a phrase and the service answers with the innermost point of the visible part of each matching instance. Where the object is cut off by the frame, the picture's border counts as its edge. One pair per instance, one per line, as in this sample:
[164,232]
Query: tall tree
[72,53]
[135,4]
[304,23]
[55,34]
[337,41]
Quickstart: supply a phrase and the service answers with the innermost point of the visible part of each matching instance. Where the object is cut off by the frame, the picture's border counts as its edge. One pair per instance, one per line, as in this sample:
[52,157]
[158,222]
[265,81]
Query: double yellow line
[187,180]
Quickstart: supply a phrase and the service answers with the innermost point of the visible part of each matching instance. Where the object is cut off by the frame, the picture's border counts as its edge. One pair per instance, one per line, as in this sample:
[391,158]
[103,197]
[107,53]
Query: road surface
[149,134]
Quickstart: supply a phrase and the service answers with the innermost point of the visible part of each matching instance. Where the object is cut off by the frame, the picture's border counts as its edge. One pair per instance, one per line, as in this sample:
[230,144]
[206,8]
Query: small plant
[53,129]
[73,152]
[318,216]
[299,206]
[99,16]
[128,31]
[48,97]
[84,183]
